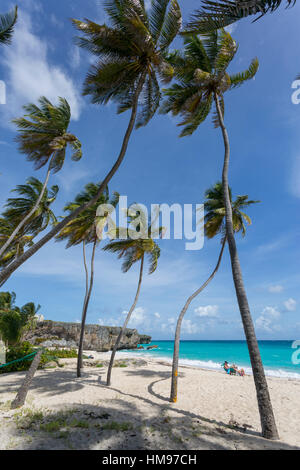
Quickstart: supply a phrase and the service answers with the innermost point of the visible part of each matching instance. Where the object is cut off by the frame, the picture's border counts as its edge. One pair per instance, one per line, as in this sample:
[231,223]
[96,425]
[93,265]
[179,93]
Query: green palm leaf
[7,23]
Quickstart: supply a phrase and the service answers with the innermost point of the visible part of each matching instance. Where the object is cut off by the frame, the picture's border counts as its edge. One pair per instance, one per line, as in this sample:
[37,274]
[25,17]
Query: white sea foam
[211,365]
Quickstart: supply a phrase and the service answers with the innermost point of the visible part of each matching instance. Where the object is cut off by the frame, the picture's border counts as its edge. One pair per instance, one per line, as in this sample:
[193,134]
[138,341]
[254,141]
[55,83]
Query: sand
[213,411]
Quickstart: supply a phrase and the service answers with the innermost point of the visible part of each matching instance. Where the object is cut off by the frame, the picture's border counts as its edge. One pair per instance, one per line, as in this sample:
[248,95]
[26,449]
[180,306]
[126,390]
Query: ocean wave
[211,365]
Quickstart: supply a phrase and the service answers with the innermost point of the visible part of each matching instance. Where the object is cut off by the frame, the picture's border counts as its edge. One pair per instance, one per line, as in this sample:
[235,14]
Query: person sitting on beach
[239,372]
[226,367]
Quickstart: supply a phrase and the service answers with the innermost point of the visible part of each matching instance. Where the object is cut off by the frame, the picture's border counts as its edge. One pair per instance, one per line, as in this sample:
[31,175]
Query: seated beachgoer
[226,367]
[237,371]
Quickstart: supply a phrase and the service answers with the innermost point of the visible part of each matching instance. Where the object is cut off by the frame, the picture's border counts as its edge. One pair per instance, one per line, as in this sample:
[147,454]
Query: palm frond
[7,23]
[239,78]
[217,14]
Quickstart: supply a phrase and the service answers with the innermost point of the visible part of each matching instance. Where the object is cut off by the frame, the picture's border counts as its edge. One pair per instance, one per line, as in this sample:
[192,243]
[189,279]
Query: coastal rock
[96,338]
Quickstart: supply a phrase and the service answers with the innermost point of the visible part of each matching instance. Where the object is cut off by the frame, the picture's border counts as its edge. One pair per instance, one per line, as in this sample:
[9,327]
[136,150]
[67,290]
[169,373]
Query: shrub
[16,352]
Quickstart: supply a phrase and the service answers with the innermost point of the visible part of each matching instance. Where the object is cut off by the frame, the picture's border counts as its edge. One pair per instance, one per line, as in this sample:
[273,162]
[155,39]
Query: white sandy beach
[214,410]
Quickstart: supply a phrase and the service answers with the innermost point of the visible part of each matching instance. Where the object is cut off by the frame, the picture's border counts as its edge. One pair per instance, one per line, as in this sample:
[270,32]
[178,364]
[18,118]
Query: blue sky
[263,126]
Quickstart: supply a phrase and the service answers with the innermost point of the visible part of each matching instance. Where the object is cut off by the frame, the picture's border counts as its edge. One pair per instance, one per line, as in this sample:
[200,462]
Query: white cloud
[189,327]
[276,289]
[271,312]
[290,304]
[75,57]
[266,320]
[31,75]
[207,311]
[138,317]
[157,315]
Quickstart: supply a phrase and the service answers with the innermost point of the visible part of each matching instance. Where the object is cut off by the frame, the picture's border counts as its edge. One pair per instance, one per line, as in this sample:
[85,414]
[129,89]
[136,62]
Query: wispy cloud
[275,289]
[30,73]
[290,304]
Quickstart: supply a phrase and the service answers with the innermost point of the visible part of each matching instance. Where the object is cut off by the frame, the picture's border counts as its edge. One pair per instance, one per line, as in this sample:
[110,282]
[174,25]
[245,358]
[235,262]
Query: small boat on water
[152,347]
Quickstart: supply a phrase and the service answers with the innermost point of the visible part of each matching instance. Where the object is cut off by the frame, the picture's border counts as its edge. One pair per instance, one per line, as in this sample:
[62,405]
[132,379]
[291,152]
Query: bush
[16,352]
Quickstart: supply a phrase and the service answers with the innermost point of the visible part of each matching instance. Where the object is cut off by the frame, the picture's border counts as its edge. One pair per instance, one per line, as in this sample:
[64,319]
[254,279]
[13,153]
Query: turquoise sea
[276,355]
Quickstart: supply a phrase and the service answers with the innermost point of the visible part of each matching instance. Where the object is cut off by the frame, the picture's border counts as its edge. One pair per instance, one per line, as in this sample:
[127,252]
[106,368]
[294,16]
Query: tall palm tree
[16,209]
[84,229]
[44,138]
[130,56]
[7,23]
[203,80]
[214,225]
[216,14]
[134,250]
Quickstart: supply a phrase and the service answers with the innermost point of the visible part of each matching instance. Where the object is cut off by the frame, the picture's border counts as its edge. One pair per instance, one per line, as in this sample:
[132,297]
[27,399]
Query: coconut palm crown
[201,72]
[215,212]
[130,52]
[17,208]
[83,228]
[133,249]
[43,134]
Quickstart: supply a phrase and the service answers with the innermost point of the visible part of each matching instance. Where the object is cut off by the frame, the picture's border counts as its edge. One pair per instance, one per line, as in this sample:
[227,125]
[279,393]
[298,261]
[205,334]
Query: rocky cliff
[97,338]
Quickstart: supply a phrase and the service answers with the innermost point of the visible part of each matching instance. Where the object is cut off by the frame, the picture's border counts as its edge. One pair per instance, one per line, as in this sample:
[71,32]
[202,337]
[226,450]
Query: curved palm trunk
[30,214]
[85,309]
[37,246]
[22,393]
[112,357]
[173,396]
[269,429]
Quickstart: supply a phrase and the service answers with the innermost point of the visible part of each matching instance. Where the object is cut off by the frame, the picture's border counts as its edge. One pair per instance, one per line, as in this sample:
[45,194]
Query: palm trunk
[111,362]
[269,429]
[30,214]
[22,393]
[84,311]
[37,246]
[173,396]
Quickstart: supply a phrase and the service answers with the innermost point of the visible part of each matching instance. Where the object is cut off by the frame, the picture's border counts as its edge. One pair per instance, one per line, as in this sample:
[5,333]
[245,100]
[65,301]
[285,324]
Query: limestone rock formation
[97,338]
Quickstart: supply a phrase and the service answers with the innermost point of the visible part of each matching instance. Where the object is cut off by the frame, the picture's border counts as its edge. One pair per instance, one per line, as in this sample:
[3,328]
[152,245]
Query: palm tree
[130,57]
[203,79]
[84,229]
[18,208]
[17,247]
[214,225]
[133,250]
[44,138]
[7,23]
[23,390]
[217,14]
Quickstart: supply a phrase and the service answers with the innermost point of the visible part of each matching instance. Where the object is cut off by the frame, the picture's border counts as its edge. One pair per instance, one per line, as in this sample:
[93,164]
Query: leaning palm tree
[202,80]
[17,247]
[214,225]
[130,57]
[16,209]
[7,23]
[216,14]
[44,138]
[84,229]
[133,250]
